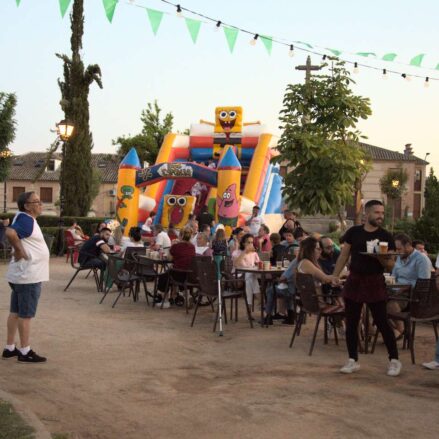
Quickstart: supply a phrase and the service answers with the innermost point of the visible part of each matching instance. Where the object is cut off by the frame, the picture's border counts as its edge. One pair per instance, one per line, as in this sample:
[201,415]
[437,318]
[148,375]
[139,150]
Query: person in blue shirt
[412,264]
[409,267]
[286,288]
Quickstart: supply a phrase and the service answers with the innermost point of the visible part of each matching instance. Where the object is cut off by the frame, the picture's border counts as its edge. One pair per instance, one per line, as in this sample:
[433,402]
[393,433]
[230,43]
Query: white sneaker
[350,366]
[394,368]
[166,304]
[433,365]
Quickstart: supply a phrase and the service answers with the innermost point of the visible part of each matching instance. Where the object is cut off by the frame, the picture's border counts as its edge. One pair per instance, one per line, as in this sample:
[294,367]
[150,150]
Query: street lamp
[5,155]
[64,129]
[395,185]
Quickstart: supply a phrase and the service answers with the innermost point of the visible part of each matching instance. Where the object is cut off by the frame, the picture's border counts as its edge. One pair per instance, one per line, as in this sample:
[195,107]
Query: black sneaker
[278,316]
[30,357]
[10,354]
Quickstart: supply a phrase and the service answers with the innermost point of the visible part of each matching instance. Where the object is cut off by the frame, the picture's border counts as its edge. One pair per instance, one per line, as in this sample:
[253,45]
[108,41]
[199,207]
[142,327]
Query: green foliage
[319,142]
[8,102]
[149,141]
[76,170]
[431,194]
[393,183]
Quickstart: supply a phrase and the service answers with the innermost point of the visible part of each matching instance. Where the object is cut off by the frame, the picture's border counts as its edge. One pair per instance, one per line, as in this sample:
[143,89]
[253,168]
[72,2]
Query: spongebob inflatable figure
[228,129]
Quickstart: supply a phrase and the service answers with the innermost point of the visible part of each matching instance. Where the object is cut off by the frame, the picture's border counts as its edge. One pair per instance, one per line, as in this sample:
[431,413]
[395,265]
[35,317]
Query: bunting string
[231,32]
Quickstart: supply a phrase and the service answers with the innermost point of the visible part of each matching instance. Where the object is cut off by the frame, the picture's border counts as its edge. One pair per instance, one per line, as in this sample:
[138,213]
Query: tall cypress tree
[76,169]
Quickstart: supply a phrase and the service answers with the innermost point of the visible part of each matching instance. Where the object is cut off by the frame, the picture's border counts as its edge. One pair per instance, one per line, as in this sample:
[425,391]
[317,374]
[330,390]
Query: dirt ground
[137,372]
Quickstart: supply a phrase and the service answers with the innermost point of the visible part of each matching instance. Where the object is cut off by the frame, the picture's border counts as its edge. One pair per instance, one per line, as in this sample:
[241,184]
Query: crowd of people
[342,268]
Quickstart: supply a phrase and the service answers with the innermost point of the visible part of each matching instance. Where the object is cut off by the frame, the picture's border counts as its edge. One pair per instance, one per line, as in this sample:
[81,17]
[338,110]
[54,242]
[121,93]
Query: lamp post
[395,186]
[64,129]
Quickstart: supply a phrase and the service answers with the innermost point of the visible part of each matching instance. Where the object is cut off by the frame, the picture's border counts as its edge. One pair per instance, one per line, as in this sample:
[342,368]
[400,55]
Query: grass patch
[11,425]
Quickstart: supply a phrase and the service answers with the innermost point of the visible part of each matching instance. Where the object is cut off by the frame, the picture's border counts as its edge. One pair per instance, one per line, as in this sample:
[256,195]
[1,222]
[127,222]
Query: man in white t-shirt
[254,221]
[161,239]
[29,267]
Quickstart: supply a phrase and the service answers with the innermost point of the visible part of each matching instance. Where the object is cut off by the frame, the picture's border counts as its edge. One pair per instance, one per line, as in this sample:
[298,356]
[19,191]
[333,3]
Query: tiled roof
[377,153]
[27,167]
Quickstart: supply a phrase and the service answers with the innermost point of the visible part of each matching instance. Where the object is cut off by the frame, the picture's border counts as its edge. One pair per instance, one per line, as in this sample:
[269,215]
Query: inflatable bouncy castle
[225,165]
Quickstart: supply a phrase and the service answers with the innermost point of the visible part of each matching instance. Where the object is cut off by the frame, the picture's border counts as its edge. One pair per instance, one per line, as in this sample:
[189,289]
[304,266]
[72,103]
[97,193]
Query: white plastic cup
[267,265]
[370,246]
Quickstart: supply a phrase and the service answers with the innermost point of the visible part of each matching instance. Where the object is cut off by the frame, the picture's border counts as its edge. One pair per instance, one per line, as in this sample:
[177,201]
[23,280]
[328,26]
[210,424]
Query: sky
[190,80]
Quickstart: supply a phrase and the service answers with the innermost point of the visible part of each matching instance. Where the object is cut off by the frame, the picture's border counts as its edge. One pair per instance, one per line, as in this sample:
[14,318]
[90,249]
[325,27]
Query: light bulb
[427,82]
[356,70]
[408,78]
[217,26]
[254,39]
[384,74]
[179,14]
[291,51]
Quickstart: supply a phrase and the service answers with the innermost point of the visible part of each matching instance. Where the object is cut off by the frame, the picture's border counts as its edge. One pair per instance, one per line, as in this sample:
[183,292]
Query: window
[46,194]
[51,165]
[16,191]
[418,180]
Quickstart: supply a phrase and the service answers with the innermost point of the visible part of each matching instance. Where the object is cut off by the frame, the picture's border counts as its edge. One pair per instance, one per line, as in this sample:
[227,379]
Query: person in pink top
[262,241]
[246,257]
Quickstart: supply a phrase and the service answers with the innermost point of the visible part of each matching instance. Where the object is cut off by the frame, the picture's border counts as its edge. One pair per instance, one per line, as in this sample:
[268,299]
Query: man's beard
[375,223]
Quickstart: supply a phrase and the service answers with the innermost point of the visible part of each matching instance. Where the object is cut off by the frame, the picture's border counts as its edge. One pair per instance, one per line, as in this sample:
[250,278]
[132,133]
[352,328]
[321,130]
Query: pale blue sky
[190,80]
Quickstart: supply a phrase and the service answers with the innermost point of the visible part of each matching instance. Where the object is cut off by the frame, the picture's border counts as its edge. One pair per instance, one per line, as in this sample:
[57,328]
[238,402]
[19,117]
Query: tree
[149,141]
[76,170]
[431,195]
[319,142]
[8,102]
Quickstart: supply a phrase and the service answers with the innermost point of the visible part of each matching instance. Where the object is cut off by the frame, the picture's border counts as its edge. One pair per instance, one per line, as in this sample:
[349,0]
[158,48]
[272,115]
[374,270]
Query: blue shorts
[24,299]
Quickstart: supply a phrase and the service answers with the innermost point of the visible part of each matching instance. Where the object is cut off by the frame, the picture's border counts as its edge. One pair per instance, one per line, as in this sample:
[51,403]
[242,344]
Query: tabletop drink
[279,264]
[260,265]
[267,265]
[370,246]
[383,247]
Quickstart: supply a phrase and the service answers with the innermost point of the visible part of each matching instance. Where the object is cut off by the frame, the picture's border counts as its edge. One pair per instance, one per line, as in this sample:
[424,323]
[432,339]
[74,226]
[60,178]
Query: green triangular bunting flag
[63,6]
[437,67]
[231,35]
[389,56]
[193,27]
[155,18]
[18,2]
[417,60]
[366,54]
[304,44]
[109,6]
[268,43]
[334,51]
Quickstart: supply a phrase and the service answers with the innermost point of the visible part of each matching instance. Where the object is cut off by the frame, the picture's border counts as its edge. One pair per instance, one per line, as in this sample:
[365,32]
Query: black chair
[146,270]
[208,280]
[309,303]
[123,275]
[78,267]
[423,306]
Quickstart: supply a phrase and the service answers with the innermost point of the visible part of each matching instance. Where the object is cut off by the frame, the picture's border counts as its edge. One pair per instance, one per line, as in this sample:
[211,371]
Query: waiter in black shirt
[366,284]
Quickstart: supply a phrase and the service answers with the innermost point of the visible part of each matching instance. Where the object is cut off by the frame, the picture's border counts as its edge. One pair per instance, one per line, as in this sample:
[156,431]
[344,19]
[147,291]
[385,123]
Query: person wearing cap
[255,221]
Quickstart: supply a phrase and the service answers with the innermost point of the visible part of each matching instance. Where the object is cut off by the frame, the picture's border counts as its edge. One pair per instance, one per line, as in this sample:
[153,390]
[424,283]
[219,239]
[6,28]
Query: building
[24,173]
[410,205]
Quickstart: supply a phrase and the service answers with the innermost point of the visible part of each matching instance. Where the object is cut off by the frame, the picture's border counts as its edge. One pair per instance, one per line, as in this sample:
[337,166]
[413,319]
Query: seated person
[290,223]
[409,267]
[172,232]
[205,229]
[135,240]
[290,243]
[262,241]
[205,218]
[99,227]
[246,256]
[309,254]
[202,248]
[233,243]
[161,239]
[278,251]
[420,246]
[93,251]
[219,243]
[286,288]
[328,256]
[147,226]
[181,254]
[77,233]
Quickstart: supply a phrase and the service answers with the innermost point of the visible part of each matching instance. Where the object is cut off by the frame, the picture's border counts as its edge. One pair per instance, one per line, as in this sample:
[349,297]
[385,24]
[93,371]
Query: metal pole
[60,246]
[5,192]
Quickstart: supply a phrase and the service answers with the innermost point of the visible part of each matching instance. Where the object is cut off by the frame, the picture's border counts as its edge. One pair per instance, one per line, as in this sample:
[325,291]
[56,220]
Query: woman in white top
[135,240]
[147,227]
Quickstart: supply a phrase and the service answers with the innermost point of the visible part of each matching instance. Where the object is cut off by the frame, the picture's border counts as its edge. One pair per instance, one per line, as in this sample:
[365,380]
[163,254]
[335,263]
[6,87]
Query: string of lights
[296,45]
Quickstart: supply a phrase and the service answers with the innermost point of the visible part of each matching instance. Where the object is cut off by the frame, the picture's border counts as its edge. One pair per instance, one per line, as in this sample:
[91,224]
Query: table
[263,273]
